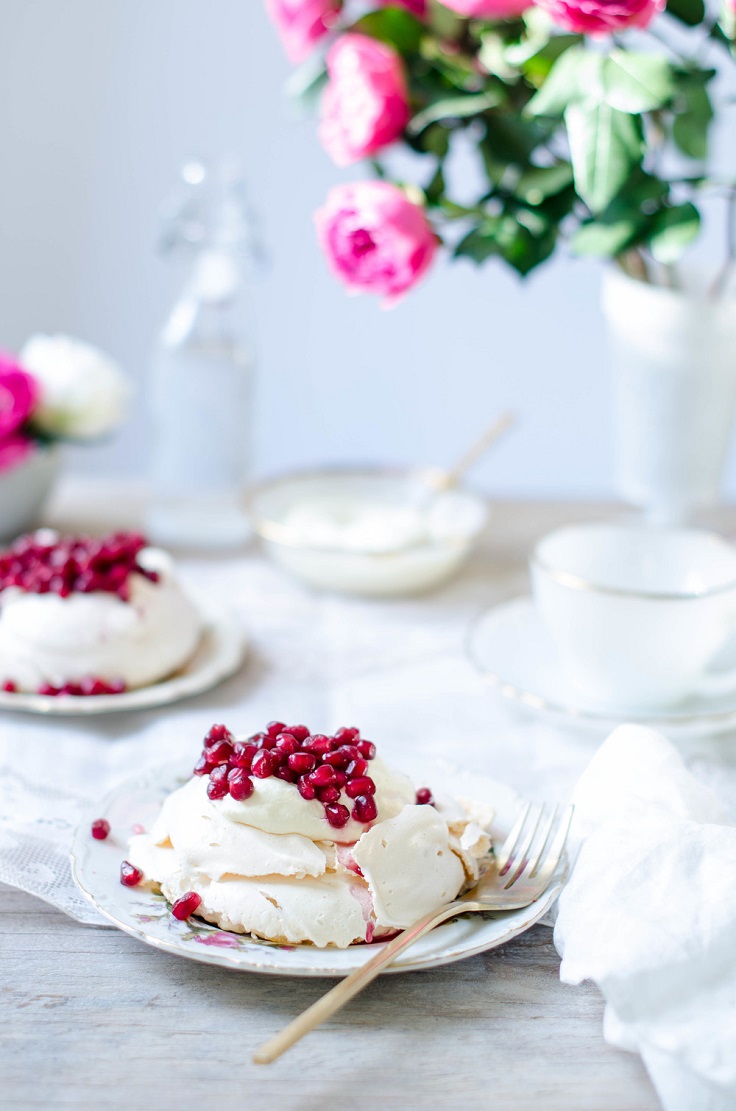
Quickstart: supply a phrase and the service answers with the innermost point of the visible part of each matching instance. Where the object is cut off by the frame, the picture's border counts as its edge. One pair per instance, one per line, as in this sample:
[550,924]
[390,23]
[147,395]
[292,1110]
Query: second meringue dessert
[298,837]
[86,616]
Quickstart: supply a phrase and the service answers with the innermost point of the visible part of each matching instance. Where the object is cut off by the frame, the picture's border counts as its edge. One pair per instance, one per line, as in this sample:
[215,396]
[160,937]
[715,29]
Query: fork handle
[338,996]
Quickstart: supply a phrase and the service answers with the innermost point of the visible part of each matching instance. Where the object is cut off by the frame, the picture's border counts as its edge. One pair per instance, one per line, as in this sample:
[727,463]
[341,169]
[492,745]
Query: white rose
[83,393]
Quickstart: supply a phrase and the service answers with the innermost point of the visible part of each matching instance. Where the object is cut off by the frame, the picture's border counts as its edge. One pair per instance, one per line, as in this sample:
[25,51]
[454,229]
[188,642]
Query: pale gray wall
[100,100]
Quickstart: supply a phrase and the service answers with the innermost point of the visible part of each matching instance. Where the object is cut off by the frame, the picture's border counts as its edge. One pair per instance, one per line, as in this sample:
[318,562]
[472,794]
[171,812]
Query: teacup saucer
[512,650]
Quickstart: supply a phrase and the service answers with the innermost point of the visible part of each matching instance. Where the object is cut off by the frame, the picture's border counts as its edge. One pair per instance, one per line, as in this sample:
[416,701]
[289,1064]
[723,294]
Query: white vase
[23,490]
[674,393]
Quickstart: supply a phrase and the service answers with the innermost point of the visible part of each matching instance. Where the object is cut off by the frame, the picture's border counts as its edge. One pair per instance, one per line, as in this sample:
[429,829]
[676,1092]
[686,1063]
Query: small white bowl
[365,563]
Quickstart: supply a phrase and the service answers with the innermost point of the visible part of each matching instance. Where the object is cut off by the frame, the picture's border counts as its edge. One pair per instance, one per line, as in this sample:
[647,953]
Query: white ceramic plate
[219,654]
[513,651]
[96,870]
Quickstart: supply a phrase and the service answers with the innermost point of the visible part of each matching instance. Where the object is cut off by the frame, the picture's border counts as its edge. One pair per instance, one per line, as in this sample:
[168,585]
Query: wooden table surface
[94,1020]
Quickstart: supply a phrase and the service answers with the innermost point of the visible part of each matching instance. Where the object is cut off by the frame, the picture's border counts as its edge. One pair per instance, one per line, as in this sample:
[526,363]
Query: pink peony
[489,9]
[302,23]
[375,239]
[365,105]
[601,17]
[14,449]
[18,395]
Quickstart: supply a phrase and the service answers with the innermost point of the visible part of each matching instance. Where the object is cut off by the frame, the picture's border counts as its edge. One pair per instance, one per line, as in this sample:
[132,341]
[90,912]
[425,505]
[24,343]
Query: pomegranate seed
[286,743]
[217,733]
[217,787]
[262,740]
[100,829]
[242,756]
[240,784]
[305,788]
[337,759]
[367,749]
[203,766]
[9,686]
[274,728]
[424,797]
[337,815]
[340,779]
[351,751]
[219,753]
[328,794]
[186,905]
[130,876]
[363,785]
[323,776]
[284,772]
[319,744]
[300,732]
[346,734]
[263,764]
[356,768]
[365,809]
[302,762]
[47,688]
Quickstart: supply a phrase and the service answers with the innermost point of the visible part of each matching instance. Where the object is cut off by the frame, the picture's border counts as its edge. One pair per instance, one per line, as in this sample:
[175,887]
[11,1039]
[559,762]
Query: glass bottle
[201,381]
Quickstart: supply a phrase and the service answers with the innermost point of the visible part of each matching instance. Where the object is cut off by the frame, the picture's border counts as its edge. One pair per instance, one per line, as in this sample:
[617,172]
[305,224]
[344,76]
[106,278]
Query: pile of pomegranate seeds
[100,829]
[73,564]
[186,905]
[88,686]
[321,767]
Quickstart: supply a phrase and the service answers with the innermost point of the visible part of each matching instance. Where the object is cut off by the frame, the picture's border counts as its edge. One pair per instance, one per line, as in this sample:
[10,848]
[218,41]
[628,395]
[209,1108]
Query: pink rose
[601,17]
[302,23]
[416,7]
[489,9]
[365,105]
[375,239]
[18,395]
[14,449]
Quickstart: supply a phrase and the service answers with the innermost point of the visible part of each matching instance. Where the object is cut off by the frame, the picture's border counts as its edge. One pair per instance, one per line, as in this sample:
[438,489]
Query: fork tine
[520,858]
[555,852]
[504,854]
[542,843]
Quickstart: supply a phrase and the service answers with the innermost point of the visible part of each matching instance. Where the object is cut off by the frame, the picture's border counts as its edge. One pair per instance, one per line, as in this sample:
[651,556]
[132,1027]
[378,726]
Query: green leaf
[605,146]
[636,82]
[394,26]
[454,108]
[605,239]
[689,12]
[436,187]
[511,138]
[537,65]
[674,229]
[480,243]
[520,246]
[694,114]
[540,182]
[562,87]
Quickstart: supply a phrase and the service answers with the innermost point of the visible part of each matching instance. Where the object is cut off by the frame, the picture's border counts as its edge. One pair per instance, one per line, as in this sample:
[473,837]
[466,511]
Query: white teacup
[638,614]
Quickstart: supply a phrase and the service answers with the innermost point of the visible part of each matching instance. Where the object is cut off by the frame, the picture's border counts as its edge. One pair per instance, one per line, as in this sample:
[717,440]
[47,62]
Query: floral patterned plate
[219,654]
[96,870]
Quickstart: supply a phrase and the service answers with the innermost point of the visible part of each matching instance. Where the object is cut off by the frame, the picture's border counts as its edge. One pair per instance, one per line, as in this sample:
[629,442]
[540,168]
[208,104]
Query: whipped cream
[45,638]
[272,866]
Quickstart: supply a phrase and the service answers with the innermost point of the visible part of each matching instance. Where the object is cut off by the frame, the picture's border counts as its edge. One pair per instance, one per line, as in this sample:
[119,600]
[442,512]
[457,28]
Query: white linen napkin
[649,914]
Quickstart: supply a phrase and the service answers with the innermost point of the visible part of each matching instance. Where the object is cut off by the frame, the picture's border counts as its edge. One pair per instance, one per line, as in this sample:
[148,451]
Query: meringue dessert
[91,616]
[295,838]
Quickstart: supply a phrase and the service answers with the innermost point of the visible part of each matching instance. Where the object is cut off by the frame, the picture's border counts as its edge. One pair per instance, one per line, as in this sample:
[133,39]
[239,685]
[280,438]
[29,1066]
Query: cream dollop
[45,638]
[270,865]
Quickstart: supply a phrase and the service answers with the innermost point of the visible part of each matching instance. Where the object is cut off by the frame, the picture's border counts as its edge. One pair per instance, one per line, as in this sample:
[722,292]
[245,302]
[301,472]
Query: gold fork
[521,871]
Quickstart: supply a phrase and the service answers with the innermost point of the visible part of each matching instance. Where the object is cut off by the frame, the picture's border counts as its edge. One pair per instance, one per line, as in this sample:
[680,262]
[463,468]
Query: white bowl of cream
[367,531]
